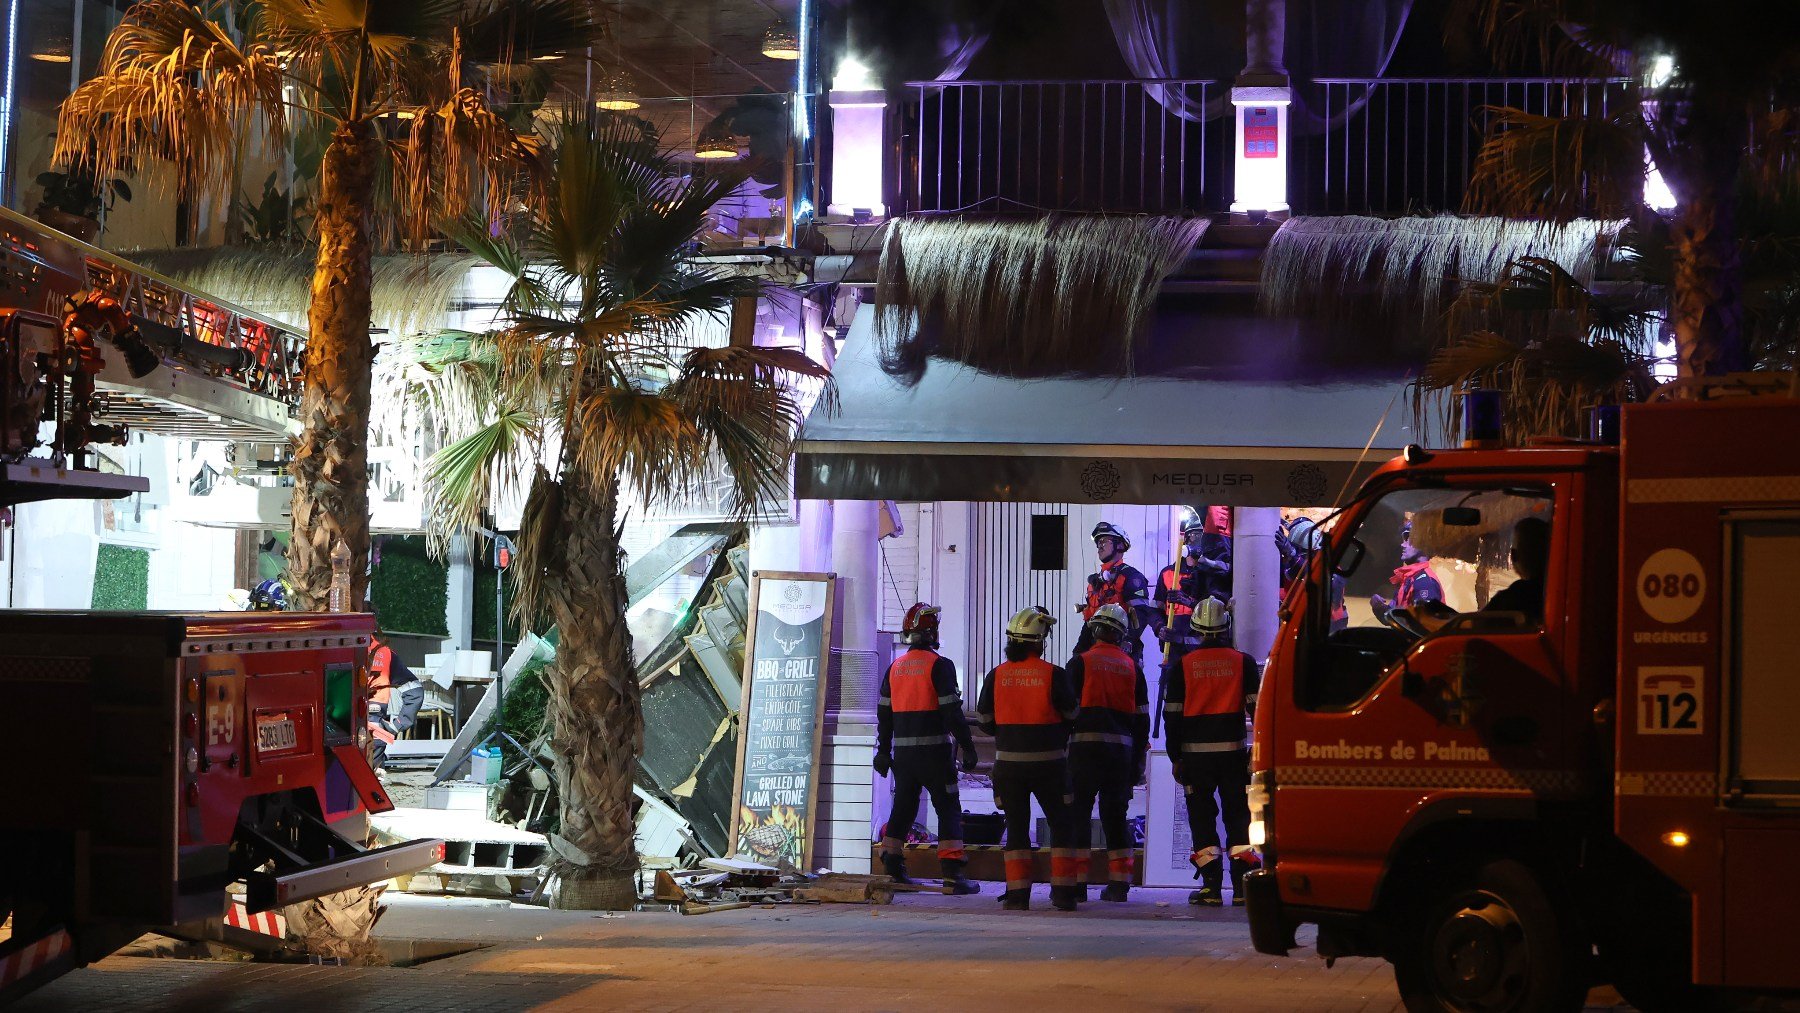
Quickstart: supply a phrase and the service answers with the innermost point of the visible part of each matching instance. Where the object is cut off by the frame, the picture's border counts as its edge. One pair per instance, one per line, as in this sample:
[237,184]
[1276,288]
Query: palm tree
[588,389]
[1720,98]
[184,85]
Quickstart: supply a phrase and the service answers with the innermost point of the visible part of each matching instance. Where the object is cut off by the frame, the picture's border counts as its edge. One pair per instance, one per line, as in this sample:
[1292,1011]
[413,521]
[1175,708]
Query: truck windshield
[1419,561]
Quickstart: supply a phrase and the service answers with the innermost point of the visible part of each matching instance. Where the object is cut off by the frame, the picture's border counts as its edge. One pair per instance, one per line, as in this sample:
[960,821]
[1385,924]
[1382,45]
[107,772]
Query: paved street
[923,952]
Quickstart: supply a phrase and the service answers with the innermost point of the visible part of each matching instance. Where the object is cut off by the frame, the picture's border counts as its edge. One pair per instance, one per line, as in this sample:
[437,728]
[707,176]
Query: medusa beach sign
[775,798]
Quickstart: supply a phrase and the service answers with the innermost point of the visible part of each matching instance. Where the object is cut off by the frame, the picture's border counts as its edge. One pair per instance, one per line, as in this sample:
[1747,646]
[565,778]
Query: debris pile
[729,884]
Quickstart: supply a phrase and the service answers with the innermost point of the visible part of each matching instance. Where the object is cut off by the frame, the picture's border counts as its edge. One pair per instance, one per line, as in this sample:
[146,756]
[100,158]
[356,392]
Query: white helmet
[1112,616]
[1032,624]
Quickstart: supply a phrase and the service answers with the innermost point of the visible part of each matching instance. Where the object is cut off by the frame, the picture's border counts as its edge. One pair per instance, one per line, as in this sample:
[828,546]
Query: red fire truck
[158,758]
[1513,794]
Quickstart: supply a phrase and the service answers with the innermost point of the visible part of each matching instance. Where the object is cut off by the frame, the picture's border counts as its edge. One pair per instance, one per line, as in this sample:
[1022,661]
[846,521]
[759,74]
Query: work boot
[1115,892]
[1063,898]
[955,883]
[1016,900]
[895,865]
[1208,895]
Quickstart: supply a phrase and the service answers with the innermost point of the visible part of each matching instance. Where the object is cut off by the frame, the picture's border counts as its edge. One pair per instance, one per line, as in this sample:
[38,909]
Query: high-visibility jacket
[1114,723]
[1178,581]
[1416,583]
[388,677]
[1027,706]
[1118,584]
[1206,709]
[920,709]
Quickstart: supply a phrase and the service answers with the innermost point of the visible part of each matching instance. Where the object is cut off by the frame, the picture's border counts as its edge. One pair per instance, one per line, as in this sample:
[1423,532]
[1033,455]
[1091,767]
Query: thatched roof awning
[962,434]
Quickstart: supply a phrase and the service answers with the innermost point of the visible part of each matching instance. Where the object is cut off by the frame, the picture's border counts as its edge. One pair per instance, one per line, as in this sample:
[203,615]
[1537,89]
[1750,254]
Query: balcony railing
[1122,145]
[1356,146]
[1408,145]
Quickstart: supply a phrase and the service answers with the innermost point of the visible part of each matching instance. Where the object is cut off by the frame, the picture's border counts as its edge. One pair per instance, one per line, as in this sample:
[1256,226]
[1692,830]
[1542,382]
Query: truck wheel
[1490,940]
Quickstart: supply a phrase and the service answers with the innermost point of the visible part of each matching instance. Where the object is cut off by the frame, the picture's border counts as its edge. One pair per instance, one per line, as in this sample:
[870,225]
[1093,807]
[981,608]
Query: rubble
[728,884]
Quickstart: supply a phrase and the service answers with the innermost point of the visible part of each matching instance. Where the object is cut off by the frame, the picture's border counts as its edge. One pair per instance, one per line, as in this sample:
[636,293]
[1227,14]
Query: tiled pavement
[925,952]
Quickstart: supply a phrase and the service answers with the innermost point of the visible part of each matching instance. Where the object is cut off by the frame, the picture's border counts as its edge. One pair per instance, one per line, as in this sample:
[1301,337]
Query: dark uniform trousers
[1225,775]
[933,771]
[1015,785]
[1108,780]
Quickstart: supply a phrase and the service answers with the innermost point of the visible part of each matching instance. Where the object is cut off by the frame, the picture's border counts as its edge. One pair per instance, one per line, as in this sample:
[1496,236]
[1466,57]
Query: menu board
[775,798]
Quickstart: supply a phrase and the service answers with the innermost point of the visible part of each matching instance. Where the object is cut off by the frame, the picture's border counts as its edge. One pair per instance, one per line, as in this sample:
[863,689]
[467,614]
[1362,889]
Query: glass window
[1427,562]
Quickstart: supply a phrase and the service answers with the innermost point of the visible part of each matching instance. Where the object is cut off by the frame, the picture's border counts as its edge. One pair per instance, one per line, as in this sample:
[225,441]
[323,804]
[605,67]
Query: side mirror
[1352,557]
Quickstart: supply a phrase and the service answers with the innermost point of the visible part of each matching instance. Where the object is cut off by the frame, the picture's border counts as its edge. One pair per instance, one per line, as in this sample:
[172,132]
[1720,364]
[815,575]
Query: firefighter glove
[969,759]
[883,763]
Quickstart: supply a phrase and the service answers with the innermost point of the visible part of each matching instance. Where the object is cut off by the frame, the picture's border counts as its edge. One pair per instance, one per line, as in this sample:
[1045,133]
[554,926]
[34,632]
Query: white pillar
[459,596]
[858,118]
[1260,101]
[856,558]
[1255,579]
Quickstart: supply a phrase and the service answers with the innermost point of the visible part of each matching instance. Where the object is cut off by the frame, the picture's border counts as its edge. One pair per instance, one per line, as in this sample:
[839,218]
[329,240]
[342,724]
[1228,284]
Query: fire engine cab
[1570,754]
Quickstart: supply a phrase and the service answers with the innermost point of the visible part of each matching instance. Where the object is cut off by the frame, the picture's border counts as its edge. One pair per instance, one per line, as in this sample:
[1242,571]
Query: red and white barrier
[33,958]
[268,923]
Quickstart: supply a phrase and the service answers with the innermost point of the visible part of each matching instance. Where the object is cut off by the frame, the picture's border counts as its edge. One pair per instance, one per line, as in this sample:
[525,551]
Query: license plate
[274,734]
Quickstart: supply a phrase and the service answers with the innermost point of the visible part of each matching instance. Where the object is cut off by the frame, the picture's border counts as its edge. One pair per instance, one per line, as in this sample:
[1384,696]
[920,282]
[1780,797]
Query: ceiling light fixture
[618,93]
[546,57]
[51,57]
[716,148]
[780,42]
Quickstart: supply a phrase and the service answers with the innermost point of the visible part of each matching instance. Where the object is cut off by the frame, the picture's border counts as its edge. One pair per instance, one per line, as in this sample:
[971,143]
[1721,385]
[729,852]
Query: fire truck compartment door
[362,777]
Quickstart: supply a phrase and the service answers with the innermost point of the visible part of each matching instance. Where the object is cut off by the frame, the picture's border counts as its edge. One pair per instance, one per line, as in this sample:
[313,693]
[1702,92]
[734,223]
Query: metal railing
[1380,146]
[1114,145]
[39,266]
[1408,145]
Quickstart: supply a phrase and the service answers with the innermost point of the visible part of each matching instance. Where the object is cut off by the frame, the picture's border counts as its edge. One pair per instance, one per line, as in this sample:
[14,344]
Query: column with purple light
[858,120]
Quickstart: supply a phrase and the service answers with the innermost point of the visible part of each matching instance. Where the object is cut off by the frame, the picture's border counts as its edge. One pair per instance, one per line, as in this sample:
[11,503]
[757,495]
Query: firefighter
[1210,552]
[1206,713]
[1028,707]
[1109,748]
[1530,557]
[919,712]
[1118,583]
[1412,578]
[1296,540]
[390,717]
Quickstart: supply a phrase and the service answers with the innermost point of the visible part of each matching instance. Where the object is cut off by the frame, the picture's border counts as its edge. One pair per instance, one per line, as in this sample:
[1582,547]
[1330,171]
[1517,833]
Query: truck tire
[1489,939]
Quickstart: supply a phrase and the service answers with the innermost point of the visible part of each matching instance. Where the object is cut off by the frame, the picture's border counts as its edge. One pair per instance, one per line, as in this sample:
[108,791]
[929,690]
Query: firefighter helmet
[1030,624]
[1304,534]
[921,625]
[1107,529]
[269,596]
[1211,616]
[1110,616]
[1192,524]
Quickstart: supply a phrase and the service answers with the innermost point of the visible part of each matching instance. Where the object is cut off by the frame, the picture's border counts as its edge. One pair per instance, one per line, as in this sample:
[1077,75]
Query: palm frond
[172,86]
[514,31]
[466,476]
[1558,168]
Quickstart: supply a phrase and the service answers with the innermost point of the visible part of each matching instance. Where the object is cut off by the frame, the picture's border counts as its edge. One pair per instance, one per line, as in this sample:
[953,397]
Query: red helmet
[921,624]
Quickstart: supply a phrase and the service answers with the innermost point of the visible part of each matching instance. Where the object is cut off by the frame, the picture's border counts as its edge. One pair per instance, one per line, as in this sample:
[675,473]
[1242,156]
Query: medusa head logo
[793,594]
[1306,484]
[1100,480]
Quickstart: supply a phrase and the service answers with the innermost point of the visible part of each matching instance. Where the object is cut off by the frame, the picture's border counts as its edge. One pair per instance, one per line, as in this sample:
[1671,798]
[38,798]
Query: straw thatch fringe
[1024,297]
[1313,264]
[411,294]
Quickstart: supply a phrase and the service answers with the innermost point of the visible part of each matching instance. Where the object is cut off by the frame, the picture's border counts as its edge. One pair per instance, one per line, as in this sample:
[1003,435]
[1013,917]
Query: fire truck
[1511,803]
[158,760]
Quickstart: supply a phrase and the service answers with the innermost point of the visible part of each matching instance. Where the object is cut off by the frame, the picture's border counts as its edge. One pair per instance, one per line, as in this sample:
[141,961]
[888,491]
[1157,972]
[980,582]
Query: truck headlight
[1259,834]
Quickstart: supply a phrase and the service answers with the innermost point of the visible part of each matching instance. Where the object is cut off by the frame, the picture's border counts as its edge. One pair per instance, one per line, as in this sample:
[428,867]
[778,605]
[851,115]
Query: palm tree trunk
[331,458]
[1708,297]
[596,723]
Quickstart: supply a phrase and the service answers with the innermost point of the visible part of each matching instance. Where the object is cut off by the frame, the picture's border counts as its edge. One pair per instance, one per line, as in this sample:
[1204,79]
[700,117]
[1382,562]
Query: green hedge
[121,578]
[410,589]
